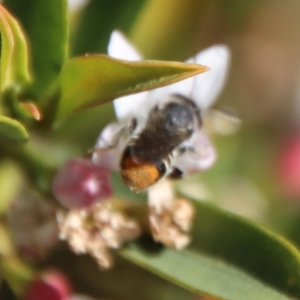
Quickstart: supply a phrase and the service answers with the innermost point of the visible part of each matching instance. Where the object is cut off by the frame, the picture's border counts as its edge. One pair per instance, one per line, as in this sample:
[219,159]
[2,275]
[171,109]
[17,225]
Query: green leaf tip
[249,246]
[47,26]
[14,70]
[12,130]
[92,80]
[229,258]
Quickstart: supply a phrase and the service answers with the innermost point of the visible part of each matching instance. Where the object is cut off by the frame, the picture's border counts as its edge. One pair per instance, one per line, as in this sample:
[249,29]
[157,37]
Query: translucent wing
[202,158]
[120,47]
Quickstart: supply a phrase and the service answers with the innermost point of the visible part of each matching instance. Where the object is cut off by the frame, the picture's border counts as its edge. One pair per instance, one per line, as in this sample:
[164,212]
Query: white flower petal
[203,88]
[203,157]
[120,47]
[183,88]
[75,5]
[108,158]
[132,105]
[161,195]
[208,86]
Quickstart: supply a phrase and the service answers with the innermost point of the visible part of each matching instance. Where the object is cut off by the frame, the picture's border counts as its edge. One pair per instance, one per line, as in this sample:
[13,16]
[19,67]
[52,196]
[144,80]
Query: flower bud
[52,285]
[289,167]
[79,183]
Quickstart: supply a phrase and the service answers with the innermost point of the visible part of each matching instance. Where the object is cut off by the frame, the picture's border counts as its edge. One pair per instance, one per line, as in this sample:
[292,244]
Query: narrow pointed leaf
[14,70]
[12,130]
[15,272]
[89,81]
[229,258]
[201,274]
[46,26]
[251,247]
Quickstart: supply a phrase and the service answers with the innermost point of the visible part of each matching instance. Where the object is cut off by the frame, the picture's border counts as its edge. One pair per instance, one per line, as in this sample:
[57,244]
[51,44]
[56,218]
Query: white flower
[75,5]
[170,219]
[203,89]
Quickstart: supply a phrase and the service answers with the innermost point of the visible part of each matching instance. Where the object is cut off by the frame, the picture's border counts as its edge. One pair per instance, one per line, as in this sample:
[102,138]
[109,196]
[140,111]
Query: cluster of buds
[96,230]
[94,226]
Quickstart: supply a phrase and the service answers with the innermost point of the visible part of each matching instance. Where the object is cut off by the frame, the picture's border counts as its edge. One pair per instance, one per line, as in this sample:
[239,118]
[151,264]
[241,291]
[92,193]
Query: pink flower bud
[52,285]
[79,183]
[289,166]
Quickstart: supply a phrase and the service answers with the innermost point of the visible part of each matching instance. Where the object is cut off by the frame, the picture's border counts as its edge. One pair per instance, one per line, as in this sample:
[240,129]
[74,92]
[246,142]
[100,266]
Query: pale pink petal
[201,159]
[109,155]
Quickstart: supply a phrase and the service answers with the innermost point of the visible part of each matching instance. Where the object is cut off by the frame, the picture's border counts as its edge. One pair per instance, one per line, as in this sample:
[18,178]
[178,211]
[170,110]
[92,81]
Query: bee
[163,138]
[149,154]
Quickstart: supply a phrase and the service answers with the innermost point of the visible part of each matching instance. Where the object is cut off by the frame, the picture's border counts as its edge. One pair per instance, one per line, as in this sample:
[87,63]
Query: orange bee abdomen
[139,176]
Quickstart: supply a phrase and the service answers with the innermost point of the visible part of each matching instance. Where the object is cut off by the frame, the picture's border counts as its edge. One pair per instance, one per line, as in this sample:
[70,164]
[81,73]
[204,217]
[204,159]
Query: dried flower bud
[96,230]
[31,220]
[170,219]
[32,110]
[79,184]
[52,285]
[170,226]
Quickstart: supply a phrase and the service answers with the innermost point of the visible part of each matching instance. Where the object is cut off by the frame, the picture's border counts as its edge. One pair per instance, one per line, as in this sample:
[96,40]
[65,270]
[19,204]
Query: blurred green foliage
[231,257]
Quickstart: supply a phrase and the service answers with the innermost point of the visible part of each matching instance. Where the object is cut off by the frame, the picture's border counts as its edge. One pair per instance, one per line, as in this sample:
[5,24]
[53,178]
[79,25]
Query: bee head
[138,175]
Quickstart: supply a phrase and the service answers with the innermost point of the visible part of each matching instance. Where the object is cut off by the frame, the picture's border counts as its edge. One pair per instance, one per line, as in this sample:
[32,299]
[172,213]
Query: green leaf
[16,273]
[125,281]
[12,130]
[249,246]
[99,19]
[88,81]
[10,182]
[14,72]
[229,258]
[201,274]
[46,25]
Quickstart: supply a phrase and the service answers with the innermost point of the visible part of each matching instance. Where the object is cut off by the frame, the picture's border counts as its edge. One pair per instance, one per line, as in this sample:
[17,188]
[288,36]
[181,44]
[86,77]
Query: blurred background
[258,169]
[257,173]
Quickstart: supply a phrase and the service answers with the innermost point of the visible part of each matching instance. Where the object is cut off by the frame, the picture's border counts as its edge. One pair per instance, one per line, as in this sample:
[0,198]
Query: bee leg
[175,173]
[130,127]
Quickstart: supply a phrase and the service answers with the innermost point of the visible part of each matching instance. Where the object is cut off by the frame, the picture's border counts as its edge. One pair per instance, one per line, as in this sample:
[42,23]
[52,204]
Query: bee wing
[120,47]
[202,158]
[203,88]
